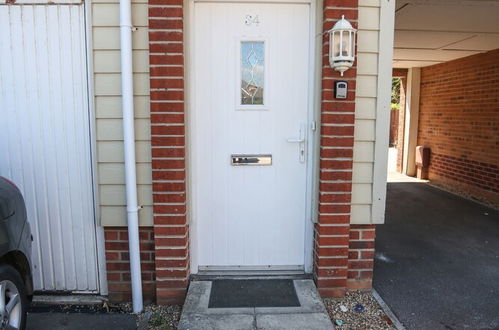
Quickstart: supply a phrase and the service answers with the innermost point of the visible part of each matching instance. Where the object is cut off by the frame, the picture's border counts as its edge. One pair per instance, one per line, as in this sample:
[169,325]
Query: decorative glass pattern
[252,72]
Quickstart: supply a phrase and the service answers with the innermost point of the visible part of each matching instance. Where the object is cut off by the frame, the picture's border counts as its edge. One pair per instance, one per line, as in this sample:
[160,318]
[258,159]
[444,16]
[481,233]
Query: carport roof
[428,32]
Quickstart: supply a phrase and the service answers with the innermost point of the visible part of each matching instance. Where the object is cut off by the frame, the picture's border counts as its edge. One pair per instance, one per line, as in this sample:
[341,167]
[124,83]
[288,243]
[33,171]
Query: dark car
[16,281]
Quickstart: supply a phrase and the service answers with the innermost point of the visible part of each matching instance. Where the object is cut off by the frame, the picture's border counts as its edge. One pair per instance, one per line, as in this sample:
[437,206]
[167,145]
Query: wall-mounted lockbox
[340,89]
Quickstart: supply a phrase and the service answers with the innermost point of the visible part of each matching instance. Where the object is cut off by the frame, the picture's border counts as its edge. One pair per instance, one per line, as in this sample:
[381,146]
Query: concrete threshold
[69,299]
[310,315]
[237,276]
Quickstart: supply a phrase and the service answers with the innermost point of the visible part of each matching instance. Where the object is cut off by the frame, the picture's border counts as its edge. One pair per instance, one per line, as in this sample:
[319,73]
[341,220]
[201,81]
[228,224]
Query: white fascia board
[387,18]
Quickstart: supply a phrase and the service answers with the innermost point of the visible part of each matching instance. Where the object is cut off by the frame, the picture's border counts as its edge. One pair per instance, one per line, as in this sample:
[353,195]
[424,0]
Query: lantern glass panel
[337,41]
[345,43]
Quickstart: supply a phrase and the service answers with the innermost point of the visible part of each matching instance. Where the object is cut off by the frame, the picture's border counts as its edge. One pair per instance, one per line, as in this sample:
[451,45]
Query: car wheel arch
[20,262]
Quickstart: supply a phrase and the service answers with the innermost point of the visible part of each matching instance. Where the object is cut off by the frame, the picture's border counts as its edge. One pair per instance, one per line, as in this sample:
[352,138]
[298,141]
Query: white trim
[387,17]
[317,106]
[190,124]
[280,270]
[312,143]
[99,230]
[313,112]
[251,268]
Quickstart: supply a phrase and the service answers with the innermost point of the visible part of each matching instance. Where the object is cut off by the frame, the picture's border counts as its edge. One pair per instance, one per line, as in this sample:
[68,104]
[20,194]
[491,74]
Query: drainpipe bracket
[131,27]
[135,209]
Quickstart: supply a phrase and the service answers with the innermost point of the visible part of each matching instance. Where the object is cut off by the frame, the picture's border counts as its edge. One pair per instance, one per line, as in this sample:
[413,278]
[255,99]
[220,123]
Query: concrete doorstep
[310,315]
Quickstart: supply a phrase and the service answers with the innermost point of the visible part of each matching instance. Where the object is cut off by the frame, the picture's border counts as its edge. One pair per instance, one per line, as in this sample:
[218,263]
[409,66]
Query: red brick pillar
[171,234]
[361,257]
[337,135]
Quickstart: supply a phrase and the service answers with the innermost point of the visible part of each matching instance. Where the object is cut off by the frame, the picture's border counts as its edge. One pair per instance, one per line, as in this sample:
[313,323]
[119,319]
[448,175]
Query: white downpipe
[129,144]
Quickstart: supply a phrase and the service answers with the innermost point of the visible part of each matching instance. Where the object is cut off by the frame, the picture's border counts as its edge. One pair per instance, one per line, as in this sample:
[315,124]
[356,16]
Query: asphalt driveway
[437,262]
[80,321]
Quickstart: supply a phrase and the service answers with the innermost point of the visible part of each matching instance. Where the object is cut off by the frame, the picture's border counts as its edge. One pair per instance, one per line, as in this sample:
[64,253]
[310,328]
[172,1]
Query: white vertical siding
[44,140]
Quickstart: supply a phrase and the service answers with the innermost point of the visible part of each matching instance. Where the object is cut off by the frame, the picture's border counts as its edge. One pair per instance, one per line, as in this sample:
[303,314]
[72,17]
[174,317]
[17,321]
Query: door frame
[313,118]
[100,252]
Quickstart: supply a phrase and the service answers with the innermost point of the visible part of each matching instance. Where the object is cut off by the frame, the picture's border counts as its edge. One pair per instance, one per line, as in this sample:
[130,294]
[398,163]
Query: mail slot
[247,160]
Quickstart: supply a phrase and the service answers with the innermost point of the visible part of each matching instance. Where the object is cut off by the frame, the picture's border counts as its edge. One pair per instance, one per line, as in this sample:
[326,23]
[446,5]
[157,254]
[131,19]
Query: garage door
[45,138]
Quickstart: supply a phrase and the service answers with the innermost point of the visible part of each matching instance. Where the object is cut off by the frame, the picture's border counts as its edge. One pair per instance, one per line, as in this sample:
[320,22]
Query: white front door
[249,104]
[45,139]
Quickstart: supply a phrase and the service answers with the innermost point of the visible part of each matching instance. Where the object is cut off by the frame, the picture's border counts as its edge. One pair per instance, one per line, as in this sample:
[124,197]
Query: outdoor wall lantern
[342,45]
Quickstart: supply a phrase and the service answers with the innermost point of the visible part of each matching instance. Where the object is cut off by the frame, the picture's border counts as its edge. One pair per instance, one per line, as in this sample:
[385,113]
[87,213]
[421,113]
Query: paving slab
[310,315]
[80,321]
[217,322]
[303,321]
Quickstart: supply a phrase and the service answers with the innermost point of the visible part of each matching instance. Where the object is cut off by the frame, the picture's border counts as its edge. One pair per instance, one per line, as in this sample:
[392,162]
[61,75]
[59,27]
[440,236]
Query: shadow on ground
[76,317]
[437,262]
[83,321]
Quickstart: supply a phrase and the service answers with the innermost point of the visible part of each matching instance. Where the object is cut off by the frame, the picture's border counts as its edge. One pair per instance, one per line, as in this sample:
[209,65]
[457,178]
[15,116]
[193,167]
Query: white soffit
[400,64]
[428,32]
[431,55]
[482,42]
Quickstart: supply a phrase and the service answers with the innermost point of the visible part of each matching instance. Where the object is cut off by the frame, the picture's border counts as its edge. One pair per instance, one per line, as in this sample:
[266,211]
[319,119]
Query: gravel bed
[105,308]
[369,314]
[161,317]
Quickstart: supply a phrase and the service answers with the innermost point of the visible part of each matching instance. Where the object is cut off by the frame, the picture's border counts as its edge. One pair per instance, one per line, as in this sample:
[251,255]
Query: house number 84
[250,20]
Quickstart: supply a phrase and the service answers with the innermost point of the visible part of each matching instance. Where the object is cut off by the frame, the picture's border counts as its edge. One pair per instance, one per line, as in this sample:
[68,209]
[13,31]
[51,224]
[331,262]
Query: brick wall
[118,263]
[336,152]
[166,58]
[402,74]
[394,126]
[459,121]
[361,257]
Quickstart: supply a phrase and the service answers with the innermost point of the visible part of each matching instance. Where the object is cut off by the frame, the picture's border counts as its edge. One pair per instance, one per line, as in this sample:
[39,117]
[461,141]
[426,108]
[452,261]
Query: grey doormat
[253,293]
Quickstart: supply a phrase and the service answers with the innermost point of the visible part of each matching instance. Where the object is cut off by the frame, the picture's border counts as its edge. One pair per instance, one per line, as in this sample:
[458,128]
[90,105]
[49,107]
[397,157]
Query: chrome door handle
[301,142]
[295,140]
